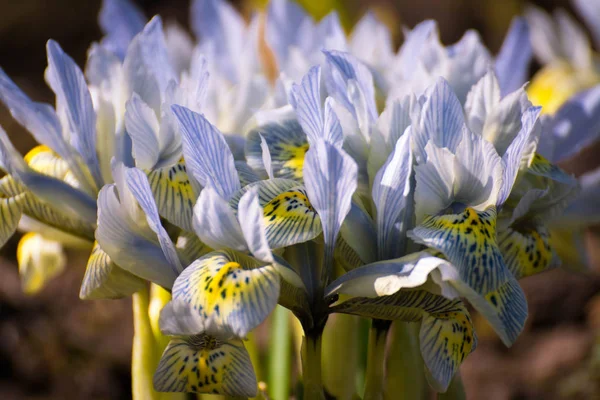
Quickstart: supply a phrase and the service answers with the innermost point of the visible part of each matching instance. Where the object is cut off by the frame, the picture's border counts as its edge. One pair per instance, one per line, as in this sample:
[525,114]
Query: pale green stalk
[405,378]
[251,345]
[280,352]
[311,366]
[144,357]
[340,360]
[375,360]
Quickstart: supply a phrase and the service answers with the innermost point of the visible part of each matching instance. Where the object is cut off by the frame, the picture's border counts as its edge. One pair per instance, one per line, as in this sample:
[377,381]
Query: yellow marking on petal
[103,279]
[45,161]
[446,335]
[10,214]
[295,156]
[206,364]
[526,251]
[290,218]
[468,240]
[39,261]
[229,290]
[173,194]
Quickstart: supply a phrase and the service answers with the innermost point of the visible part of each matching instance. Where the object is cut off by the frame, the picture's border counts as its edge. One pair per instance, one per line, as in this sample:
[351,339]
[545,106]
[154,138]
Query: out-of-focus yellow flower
[557,82]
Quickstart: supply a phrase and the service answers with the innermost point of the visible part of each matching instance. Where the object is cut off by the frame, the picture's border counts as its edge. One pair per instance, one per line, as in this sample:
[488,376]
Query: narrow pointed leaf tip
[208,157]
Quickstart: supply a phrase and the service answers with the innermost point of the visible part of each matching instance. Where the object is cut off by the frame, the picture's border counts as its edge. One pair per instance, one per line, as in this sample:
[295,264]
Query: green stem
[251,344]
[340,356]
[280,350]
[376,359]
[144,357]
[405,378]
[311,366]
[456,390]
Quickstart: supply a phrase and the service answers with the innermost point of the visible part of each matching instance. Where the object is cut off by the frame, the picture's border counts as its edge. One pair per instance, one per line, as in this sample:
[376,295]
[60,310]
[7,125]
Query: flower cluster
[282,162]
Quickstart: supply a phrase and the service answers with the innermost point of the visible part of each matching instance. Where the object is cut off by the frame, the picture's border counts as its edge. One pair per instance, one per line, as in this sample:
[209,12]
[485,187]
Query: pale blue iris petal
[343,67]
[576,124]
[522,146]
[120,21]
[589,10]
[217,24]
[358,230]
[284,19]
[512,63]
[58,194]
[137,181]
[143,127]
[251,217]
[148,70]
[215,222]
[41,121]
[414,43]
[128,244]
[246,173]
[266,157]
[330,176]
[68,82]
[442,119]
[332,127]
[308,104]
[207,155]
[384,278]
[393,198]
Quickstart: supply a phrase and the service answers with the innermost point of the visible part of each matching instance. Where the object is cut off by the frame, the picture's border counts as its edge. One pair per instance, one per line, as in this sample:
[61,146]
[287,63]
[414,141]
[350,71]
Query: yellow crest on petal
[206,364]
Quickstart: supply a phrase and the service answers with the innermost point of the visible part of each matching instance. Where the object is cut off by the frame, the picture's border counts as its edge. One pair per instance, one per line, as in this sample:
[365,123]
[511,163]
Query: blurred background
[55,346]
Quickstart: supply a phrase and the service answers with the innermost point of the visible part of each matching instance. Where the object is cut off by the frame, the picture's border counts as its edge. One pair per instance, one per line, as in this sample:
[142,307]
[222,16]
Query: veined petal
[442,120]
[215,222]
[287,145]
[60,195]
[42,122]
[521,152]
[132,246]
[284,20]
[415,41]
[224,293]
[105,280]
[250,215]
[69,85]
[359,233]
[343,67]
[218,24]
[246,174]
[206,154]
[512,62]
[385,278]
[330,175]
[147,68]
[288,215]
[143,127]
[483,97]
[120,21]
[468,240]
[446,336]
[540,166]
[45,161]
[309,102]
[173,194]
[205,364]
[10,214]
[393,197]
[38,210]
[39,261]
[140,188]
[527,250]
